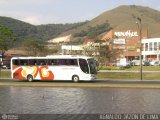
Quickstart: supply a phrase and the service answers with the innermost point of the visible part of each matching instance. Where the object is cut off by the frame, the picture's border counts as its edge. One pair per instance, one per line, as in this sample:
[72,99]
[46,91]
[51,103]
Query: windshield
[92,66]
[84,66]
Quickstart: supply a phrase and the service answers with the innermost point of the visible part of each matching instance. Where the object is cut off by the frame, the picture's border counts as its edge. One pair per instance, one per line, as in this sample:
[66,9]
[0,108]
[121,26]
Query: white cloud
[40,19]
[32,20]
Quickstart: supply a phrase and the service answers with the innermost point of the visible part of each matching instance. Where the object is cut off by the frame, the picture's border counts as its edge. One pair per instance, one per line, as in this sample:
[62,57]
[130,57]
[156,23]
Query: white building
[67,49]
[151,49]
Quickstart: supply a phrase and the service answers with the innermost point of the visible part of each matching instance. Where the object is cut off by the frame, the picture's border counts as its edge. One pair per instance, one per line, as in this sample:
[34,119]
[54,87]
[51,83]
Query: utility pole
[139,23]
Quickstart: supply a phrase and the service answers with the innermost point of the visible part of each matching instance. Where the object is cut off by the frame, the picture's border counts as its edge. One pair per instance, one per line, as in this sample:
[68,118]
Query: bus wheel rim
[30,78]
[75,79]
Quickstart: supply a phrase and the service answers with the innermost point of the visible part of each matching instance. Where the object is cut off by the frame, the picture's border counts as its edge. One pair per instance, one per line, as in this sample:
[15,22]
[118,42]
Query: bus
[54,67]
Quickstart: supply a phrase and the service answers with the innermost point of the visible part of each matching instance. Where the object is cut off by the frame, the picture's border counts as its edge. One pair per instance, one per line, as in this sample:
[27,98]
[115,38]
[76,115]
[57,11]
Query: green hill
[121,17]
[26,31]
[21,29]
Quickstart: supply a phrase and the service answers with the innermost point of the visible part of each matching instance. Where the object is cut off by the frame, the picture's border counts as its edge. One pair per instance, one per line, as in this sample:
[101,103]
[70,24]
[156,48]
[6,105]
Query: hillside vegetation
[122,17]
[26,31]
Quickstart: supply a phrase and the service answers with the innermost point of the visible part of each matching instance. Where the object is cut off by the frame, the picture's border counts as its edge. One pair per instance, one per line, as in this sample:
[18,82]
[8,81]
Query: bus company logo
[44,72]
[4,117]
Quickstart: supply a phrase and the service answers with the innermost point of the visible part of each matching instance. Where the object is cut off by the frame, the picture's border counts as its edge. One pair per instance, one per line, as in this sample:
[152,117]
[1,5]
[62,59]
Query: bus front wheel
[30,78]
[75,78]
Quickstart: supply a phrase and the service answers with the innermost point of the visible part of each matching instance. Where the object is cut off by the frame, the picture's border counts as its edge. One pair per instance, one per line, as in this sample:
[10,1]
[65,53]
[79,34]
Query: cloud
[21,15]
[32,20]
[40,19]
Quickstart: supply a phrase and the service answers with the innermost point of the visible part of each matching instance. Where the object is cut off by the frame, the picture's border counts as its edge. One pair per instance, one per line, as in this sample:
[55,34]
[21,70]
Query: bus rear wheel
[30,78]
[75,78]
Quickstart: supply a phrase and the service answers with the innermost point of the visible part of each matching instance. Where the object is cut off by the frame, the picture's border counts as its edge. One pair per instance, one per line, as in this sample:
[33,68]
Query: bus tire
[30,78]
[75,78]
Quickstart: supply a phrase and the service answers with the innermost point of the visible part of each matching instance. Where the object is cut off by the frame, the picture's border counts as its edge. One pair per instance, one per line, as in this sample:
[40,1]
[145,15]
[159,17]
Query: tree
[36,48]
[7,38]
[31,46]
[93,32]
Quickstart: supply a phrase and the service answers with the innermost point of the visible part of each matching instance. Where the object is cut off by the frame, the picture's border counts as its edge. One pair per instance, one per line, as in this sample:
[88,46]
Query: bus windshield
[84,65]
[92,66]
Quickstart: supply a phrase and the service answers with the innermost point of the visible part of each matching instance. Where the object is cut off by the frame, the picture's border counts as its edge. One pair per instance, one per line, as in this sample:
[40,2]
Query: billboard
[127,33]
[119,41]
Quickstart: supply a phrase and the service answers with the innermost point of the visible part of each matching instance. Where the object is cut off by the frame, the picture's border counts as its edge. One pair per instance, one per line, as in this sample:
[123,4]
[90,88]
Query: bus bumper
[90,78]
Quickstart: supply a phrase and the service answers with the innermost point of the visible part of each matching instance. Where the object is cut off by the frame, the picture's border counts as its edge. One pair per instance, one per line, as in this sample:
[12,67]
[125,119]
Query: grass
[132,68]
[5,74]
[120,75]
[145,68]
[128,76]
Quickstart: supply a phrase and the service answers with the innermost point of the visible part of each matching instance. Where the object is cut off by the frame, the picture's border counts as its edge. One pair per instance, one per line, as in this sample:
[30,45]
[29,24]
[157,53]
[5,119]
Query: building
[151,49]
[127,41]
[72,49]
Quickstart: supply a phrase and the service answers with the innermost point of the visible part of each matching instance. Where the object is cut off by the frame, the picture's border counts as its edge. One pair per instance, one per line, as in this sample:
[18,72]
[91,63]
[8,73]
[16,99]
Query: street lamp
[139,24]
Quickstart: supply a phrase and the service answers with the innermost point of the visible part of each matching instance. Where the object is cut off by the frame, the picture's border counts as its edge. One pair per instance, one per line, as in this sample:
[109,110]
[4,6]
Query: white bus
[56,67]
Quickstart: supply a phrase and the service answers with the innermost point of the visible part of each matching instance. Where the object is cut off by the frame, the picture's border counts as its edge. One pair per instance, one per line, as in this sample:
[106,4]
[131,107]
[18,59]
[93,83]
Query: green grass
[145,68]
[5,74]
[132,68]
[128,76]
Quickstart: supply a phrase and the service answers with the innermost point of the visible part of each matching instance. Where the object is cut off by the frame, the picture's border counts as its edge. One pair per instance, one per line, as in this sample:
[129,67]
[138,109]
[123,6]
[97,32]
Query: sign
[128,33]
[119,41]
[131,47]
[119,47]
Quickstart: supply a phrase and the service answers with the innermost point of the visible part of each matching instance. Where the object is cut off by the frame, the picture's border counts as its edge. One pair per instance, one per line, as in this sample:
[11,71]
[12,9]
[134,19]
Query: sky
[39,12]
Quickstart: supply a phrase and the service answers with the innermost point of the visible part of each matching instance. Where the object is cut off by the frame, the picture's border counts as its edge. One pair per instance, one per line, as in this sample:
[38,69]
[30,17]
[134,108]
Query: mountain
[26,31]
[21,29]
[124,17]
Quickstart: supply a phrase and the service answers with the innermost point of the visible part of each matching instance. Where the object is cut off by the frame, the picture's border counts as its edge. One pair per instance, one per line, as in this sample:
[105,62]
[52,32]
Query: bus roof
[54,56]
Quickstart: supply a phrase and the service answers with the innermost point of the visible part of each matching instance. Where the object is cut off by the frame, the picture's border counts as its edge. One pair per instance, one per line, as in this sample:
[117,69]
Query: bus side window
[23,62]
[32,62]
[41,62]
[70,62]
[49,62]
[60,62]
[52,62]
[15,62]
[73,62]
[67,62]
